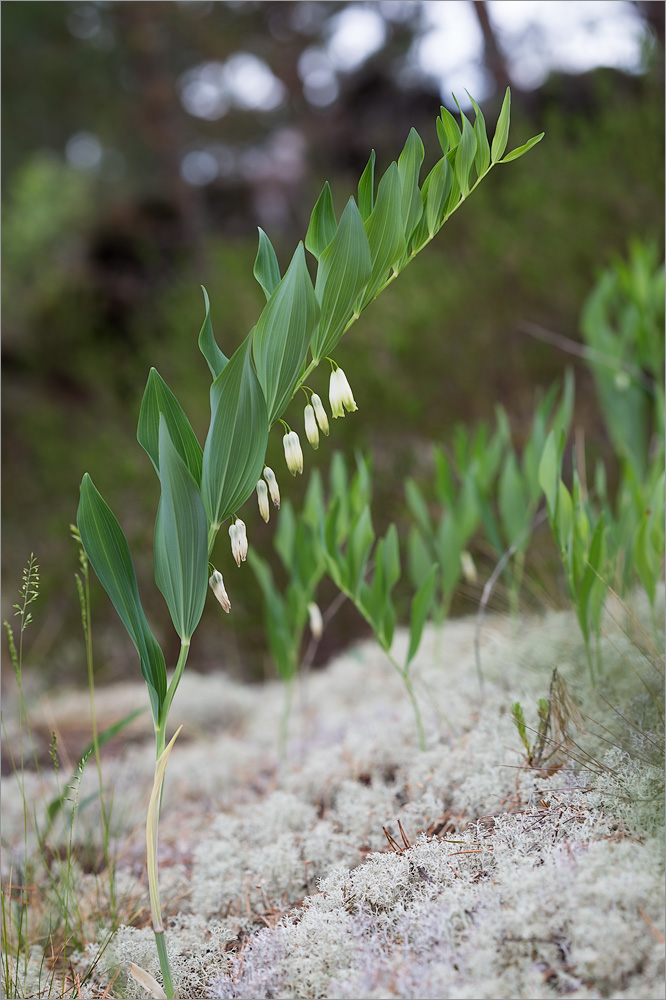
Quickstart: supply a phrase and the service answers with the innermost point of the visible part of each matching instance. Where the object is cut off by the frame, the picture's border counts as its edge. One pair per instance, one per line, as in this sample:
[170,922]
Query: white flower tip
[316,620]
[311,429]
[273,487]
[320,413]
[468,567]
[217,586]
[262,499]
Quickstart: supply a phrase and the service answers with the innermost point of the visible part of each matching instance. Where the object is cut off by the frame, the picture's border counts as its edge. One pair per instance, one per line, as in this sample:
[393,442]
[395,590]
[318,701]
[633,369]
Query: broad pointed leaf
[514,506]
[322,223]
[360,542]
[282,335]
[266,268]
[465,156]
[501,136]
[482,158]
[439,182]
[108,552]
[181,540]
[207,343]
[344,269]
[520,150]
[158,400]
[366,189]
[385,233]
[421,604]
[409,167]
[236,443]
[447,131]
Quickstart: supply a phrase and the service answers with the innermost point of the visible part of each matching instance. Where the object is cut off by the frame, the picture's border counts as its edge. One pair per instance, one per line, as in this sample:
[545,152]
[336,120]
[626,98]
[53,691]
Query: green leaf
[592,587]
[266,268]
[549,472]
[421,604]
[329,534]
[235,446]
[519,721]
[282,335]
[385,233]
[448,548]
[418,507]
[465,156]
[515,153]
[514,508]
[181,541]
[366,189]
[207,343]
[445,489]
[284,540]
[280,628]
[344,269]
[563,516]
[454,196]
[358,549]
[467,507]
[448,132]
[409,167]
[314,500]
[419,557]
[501,136]
[158,400]
[322,223]
[648,547]
[439,182]
[391,557]
[109,555]
[482,158]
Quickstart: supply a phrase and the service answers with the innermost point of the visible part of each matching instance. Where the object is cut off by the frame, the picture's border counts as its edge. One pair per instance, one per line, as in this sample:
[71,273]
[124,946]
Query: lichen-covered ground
[362,867]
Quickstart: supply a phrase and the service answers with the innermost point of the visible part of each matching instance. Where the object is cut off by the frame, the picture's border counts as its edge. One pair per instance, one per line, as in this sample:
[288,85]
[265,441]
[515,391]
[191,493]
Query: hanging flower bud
[262,499]
[311,429]
[340,394]
[293,452]
[273,488]
[238,536]
[468,567]
[217,586]
[320,413]
[316,620]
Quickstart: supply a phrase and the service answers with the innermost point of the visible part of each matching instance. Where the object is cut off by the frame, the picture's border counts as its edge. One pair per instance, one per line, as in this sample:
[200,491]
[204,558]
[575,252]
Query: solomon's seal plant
[357,256]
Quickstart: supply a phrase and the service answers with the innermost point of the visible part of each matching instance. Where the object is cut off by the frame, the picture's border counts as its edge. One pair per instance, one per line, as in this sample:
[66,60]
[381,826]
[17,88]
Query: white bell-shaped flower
[340,395]
[238,536]
[262,499]
[216,584]
[316,620]
[320,413]
[273,487]
[293,453]
[311,429]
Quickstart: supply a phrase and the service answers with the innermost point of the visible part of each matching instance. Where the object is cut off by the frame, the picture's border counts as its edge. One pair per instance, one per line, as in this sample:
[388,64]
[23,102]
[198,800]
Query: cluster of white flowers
[316,419]
[340,397]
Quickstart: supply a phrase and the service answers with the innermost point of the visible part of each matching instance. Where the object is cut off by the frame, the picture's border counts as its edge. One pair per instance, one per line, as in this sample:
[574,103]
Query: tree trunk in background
[157,112]
[492,55]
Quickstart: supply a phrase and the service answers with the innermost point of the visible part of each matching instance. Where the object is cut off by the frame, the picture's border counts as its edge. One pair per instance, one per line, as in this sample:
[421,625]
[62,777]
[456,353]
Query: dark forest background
[107,237]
